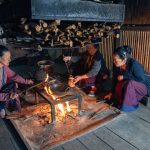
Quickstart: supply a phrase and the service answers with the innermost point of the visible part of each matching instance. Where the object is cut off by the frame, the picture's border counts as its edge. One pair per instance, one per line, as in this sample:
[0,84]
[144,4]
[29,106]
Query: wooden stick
[31,87]
[36,85]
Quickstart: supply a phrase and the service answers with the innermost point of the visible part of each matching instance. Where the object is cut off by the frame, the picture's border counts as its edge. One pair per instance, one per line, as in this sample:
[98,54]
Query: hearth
[58,101]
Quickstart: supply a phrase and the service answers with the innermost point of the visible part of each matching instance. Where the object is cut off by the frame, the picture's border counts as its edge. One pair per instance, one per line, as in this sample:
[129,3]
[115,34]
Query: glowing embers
[59,106]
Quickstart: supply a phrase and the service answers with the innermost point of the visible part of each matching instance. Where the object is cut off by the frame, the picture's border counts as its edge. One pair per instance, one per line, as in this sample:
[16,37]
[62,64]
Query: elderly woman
[88,66]
[6,76]
[130,82]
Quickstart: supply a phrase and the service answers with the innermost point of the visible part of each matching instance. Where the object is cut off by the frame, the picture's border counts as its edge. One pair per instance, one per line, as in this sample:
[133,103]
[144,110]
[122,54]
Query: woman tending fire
[88,66]
[8,95]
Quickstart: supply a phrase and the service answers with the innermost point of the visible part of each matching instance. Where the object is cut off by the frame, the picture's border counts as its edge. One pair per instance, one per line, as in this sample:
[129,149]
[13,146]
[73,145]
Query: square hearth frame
[55,102]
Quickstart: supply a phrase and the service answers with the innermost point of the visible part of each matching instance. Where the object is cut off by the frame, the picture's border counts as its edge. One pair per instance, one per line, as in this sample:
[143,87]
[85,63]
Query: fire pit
[41,127]
[58,95]
[55,120]
[55,100]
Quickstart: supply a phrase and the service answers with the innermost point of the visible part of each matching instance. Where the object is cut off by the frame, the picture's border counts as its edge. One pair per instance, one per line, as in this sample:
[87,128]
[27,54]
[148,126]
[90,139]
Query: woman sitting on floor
[130,82]
[88,66]
[6,77]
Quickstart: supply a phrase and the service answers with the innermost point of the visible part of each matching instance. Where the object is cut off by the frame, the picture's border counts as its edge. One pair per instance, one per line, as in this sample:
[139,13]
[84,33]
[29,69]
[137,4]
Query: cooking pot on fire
[40,75]
[44,67]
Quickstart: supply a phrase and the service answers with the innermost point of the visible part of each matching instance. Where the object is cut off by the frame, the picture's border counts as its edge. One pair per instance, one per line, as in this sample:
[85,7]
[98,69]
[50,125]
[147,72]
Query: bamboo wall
[139,41]
[106,48]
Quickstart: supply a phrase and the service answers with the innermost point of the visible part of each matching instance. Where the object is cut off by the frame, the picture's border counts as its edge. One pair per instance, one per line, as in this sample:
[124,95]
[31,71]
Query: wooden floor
[130,132]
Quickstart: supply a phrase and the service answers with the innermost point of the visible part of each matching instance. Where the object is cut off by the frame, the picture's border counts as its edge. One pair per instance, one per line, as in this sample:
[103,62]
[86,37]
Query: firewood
[79,24]
[96,29]
[58,22]
[27,32]
[26,27]
[73,26]
[38,28]
[79,33]
[117,36]
[54,24]
[47,37]
[108,28]
[100,34]
[52,43]
[45,25]
[46,30]
[116,26]
[23,20]
[56,34]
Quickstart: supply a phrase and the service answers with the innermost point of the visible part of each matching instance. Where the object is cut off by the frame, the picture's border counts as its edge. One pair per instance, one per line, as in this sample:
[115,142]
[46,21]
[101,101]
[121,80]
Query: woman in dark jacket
[88,65]
[130,82]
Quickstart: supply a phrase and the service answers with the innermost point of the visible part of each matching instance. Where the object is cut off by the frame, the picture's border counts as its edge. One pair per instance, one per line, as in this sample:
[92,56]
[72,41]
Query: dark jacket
[134,71]
[90,65]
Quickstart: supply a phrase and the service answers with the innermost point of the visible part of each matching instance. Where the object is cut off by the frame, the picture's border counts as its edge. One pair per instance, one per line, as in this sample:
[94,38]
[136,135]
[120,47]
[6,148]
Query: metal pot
[46,65]
[57,86]
[40,75]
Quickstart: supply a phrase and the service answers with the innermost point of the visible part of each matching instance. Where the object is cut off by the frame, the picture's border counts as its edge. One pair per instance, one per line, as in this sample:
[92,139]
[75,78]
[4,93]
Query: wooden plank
[35,136]
[143,113]
[57,148]
[21,136]
[113,140]
[133,130]
[74,145]
[94,143]
[5,138]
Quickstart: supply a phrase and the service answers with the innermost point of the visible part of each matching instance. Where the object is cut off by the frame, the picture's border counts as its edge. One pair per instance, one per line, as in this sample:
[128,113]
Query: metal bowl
[57,86]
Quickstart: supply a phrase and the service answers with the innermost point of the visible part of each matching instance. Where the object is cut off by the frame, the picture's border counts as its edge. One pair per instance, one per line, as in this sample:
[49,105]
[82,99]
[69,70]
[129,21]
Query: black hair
[96,42]
[128,49]
[123,52]
[2,50]
[88,43]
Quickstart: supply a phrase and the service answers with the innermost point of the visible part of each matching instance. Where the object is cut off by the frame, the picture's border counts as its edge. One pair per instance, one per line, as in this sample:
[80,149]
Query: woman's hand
[13,95]
[120,77]
[30,82]
[108,96]
[105,77]
[77,79]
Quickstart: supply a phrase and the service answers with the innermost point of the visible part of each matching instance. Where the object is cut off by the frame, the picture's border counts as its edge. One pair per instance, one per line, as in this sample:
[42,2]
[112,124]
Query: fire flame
[47,77]
[60,106]
[49,92]
[68,107]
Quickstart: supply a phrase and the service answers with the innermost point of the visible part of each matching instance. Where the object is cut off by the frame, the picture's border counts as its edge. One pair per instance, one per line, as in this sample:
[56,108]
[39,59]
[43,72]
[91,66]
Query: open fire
[60,105]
